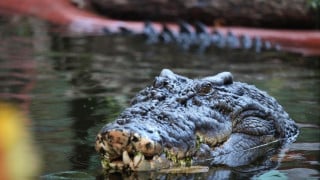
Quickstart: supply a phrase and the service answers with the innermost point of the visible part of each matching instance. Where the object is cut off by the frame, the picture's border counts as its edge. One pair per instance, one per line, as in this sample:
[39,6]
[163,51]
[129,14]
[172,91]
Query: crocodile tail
[200,36]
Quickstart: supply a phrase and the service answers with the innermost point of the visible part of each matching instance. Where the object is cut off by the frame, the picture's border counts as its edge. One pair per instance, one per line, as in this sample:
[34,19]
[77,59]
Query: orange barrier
[64,13]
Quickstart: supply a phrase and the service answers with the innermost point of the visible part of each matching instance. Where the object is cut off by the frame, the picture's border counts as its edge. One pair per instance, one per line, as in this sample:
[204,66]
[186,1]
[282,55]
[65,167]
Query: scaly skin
[181,122]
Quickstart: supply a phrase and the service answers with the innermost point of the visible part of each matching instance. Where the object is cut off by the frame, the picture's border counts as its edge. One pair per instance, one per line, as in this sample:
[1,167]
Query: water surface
[71,86]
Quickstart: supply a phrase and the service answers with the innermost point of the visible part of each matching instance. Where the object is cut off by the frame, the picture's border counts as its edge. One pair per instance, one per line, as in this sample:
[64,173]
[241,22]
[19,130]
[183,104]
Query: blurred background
[57,90]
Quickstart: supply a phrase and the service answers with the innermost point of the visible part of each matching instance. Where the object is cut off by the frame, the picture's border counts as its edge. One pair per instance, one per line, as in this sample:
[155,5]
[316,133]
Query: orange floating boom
[64,13]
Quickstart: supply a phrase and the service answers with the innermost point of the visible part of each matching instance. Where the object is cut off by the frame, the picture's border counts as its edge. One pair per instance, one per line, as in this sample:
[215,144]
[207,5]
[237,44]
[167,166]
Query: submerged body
[181,122]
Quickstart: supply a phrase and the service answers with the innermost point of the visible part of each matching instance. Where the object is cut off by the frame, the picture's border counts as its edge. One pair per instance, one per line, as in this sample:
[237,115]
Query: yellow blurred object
[10,126]
[18,157]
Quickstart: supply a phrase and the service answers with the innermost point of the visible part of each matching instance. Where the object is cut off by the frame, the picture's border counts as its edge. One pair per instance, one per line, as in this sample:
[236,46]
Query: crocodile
[199,36]
[182,122]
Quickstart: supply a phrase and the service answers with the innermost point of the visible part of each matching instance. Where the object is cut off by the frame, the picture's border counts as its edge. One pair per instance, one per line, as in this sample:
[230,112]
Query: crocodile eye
[160,82]
[205,88]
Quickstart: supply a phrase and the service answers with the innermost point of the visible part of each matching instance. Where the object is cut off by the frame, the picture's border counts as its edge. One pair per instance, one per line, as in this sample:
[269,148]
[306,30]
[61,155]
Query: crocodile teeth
[137,160]
[125,158]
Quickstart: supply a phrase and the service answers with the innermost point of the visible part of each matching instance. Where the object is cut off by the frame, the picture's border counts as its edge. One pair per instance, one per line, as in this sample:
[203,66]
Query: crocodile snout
[122,148]
[114,142]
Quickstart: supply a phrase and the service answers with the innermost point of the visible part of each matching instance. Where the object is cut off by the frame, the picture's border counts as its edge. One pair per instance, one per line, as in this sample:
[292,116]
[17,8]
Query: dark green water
[71,86]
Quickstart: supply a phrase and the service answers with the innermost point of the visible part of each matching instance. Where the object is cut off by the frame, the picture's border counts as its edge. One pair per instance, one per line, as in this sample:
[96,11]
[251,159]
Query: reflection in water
[18,74]
[83,119]
[86,115]
[72,86]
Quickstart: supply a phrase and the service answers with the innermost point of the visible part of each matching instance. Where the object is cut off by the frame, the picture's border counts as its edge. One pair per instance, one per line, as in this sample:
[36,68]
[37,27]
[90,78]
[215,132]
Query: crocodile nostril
[102,151]
[148,145]
[135,138]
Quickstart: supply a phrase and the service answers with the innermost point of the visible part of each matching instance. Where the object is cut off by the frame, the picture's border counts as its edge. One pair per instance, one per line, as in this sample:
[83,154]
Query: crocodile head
[178,120]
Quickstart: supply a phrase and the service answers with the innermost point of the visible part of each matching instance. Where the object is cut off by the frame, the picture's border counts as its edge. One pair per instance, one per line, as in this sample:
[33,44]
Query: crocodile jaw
[136,163]
[119,152]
